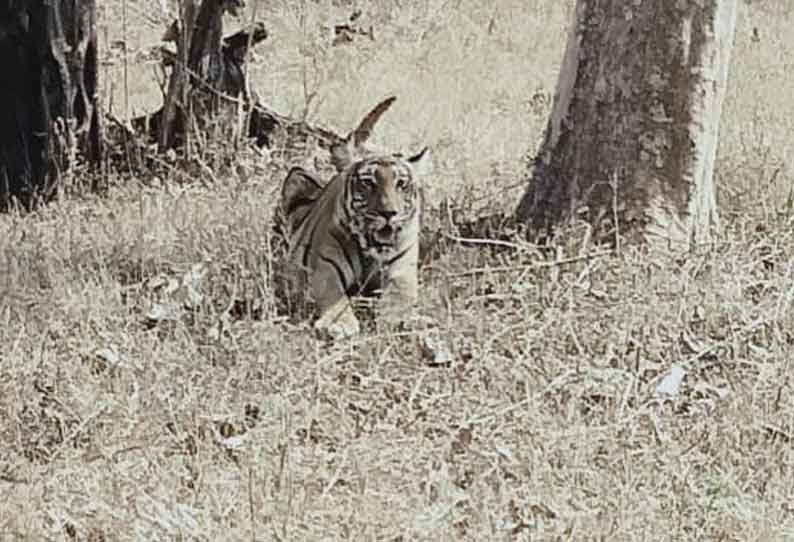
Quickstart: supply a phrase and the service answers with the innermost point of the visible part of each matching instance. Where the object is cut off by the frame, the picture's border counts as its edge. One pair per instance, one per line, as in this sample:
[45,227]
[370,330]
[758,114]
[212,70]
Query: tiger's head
[383,199]
[383,196]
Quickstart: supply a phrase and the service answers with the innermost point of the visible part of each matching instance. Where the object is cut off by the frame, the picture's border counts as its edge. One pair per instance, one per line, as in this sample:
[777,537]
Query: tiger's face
[384,200]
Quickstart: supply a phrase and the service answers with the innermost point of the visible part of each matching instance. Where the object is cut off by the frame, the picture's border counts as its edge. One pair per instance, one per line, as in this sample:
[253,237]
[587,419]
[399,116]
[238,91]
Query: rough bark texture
[215,80]
[632,136]
[24,116]
[206,88]
[72,81]
[48,53]
[207,75]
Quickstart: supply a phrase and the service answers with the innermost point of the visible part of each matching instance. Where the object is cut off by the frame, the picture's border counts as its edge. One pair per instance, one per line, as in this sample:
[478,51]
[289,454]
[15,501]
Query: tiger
[357,234]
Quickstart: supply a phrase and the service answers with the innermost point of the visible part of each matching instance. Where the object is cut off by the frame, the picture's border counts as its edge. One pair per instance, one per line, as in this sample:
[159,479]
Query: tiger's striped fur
[358,234]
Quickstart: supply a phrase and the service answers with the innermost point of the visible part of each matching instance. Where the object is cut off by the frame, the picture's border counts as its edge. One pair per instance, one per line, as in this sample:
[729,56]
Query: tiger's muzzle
[384,229]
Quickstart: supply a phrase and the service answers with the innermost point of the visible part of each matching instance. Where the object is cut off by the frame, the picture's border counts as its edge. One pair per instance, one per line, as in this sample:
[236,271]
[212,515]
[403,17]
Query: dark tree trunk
[24,115]
[632,137]
[207,89]
[48,98]
[208,76]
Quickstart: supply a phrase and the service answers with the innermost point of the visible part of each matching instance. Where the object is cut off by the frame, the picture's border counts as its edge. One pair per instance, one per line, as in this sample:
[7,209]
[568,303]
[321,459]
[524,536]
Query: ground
[151,390]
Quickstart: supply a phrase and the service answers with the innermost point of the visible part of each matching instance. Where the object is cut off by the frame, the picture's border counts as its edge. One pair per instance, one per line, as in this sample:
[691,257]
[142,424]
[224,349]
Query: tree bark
[632,138]
[206,86]
[24,115]
[207,76]
[73,94]
[48,100]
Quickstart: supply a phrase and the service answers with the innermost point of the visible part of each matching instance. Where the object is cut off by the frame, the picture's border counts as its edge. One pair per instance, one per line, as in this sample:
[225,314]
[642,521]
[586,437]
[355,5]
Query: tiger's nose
[388,214]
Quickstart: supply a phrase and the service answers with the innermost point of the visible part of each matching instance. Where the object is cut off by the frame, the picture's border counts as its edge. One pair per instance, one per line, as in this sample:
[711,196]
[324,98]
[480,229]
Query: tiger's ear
[342,154]
[352,148]
[421,163]
[298,193]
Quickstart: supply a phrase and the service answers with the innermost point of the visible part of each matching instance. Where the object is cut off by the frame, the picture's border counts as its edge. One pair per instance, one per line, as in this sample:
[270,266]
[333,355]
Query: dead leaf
[671,383]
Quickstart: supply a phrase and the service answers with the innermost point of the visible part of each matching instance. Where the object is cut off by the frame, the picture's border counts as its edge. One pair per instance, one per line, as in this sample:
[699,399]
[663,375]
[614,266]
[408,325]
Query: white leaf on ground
[504,451]
[232,443]
[671,382]
[435,351]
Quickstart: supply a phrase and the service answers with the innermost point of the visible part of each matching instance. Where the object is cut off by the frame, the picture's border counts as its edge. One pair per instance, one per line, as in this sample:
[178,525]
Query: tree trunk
[207,76]
[48,102]
[632,138]
[73,94]
[24,116]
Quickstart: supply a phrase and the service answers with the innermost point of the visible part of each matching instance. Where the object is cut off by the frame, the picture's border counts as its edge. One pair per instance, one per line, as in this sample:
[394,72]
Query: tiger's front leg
[335,313]
[401,292]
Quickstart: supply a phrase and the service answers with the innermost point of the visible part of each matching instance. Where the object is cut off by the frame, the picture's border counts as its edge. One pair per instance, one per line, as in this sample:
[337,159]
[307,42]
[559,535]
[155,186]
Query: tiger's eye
[367,183]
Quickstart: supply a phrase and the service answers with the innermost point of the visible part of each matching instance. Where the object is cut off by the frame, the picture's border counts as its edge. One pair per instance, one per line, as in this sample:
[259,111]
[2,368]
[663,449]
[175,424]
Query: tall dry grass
[150,389]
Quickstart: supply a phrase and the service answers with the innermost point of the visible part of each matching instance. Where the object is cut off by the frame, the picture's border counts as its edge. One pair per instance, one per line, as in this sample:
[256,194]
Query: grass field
[150,391]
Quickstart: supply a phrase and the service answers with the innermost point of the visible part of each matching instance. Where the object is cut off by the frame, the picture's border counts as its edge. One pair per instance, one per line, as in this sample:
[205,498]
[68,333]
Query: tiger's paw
[341,327]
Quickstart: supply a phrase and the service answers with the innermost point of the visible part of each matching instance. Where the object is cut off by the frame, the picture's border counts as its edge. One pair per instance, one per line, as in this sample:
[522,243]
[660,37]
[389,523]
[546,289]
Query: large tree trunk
[632,138]
[24,116]
[48,98]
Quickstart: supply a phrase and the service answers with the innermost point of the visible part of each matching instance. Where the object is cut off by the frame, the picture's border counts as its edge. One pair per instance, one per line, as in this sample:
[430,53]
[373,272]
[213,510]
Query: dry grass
[538,419]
